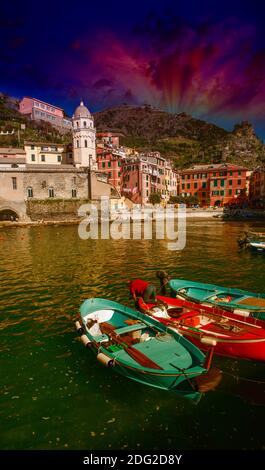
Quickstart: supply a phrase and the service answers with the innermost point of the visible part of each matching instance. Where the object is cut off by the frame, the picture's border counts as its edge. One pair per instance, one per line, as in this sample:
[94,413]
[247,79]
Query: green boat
[140,348]
[236,300]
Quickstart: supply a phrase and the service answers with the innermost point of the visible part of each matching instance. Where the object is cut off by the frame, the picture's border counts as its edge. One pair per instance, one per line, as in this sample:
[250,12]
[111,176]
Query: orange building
[257,187]
[214,185]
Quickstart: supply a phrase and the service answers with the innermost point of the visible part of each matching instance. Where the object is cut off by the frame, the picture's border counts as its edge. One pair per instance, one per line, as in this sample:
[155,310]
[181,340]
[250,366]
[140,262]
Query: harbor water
[55,395]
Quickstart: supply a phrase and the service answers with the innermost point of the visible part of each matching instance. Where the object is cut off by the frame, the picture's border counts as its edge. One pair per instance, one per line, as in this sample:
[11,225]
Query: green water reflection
[54,395]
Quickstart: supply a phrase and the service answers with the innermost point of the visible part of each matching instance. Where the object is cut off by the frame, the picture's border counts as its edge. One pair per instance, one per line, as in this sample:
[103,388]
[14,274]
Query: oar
[138,356]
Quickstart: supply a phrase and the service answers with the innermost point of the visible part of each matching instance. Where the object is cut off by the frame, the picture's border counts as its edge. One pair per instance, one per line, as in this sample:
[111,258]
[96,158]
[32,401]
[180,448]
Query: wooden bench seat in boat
[130,328]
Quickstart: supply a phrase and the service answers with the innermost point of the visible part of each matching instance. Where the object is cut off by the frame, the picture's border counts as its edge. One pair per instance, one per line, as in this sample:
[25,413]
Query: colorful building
[39,110]
[109,138]
[257,187]
[110,163]
[44,153]
[146,174]
[214,185]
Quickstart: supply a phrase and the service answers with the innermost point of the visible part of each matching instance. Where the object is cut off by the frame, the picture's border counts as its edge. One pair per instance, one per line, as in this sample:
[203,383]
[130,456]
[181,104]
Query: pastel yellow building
[44,153]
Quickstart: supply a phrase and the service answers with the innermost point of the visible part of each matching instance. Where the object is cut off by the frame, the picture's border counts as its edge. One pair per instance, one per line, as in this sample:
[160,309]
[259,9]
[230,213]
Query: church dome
[81,111]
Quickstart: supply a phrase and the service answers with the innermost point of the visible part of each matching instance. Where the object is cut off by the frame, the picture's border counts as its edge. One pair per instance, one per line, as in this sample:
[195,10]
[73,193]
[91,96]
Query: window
[119,163]
[103,164]
[238,191]
[188,177]
[239,182]
[147,192]
[215,193]
[33,157]
[215,182]
[74,180]
[51,192]
[59,158]
[119,173]
[222,193]
[84,123]
[30,192]
[73,192]
[85,143]
[188,186]
[109,164]
[230,192]
[183,186]
[77,143]
[231,173]
[14,183]
[195,185]
[239,173]
[109,174]
[32,147]
[203,194]
[222,183]
[230,182]
[43,158]
[204,185]
[146,177]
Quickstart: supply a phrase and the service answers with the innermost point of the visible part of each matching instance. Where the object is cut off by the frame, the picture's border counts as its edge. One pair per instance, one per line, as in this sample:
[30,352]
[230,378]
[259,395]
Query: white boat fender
[209,341]
[79,328]
[105,360]
[86,342]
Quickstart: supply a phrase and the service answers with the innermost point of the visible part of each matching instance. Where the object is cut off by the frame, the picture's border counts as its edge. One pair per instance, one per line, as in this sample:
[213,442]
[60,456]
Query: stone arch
[8,214]
[17,207]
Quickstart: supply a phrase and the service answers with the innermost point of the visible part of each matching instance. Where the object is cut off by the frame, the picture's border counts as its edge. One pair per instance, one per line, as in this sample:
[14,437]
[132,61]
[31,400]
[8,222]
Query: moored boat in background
[253,240]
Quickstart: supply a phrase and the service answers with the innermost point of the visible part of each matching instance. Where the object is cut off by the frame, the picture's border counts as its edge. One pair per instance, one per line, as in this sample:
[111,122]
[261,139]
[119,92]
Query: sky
[201,57]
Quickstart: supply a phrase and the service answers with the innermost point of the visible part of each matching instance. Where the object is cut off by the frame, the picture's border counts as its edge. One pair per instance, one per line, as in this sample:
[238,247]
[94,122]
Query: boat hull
[248,346]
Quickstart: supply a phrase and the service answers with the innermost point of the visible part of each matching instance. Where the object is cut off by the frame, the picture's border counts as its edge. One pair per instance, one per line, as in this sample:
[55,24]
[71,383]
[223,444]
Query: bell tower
[84,138]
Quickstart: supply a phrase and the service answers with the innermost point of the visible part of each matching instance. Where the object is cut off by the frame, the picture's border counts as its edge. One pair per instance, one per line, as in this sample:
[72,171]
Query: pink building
[139,178]
[39,110]
[146,174]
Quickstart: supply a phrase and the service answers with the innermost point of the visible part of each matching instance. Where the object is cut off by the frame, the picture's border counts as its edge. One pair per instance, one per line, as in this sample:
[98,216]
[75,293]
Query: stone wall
[54,209]
[62,182]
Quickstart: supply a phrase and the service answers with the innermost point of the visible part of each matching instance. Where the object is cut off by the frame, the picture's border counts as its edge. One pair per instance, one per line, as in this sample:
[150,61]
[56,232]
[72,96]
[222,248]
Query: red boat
[204,326]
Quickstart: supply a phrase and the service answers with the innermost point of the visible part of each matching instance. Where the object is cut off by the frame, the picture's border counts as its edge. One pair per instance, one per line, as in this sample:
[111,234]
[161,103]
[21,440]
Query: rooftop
[11,150]
[219,166]
[43,102]
[47,144]
[4,161]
